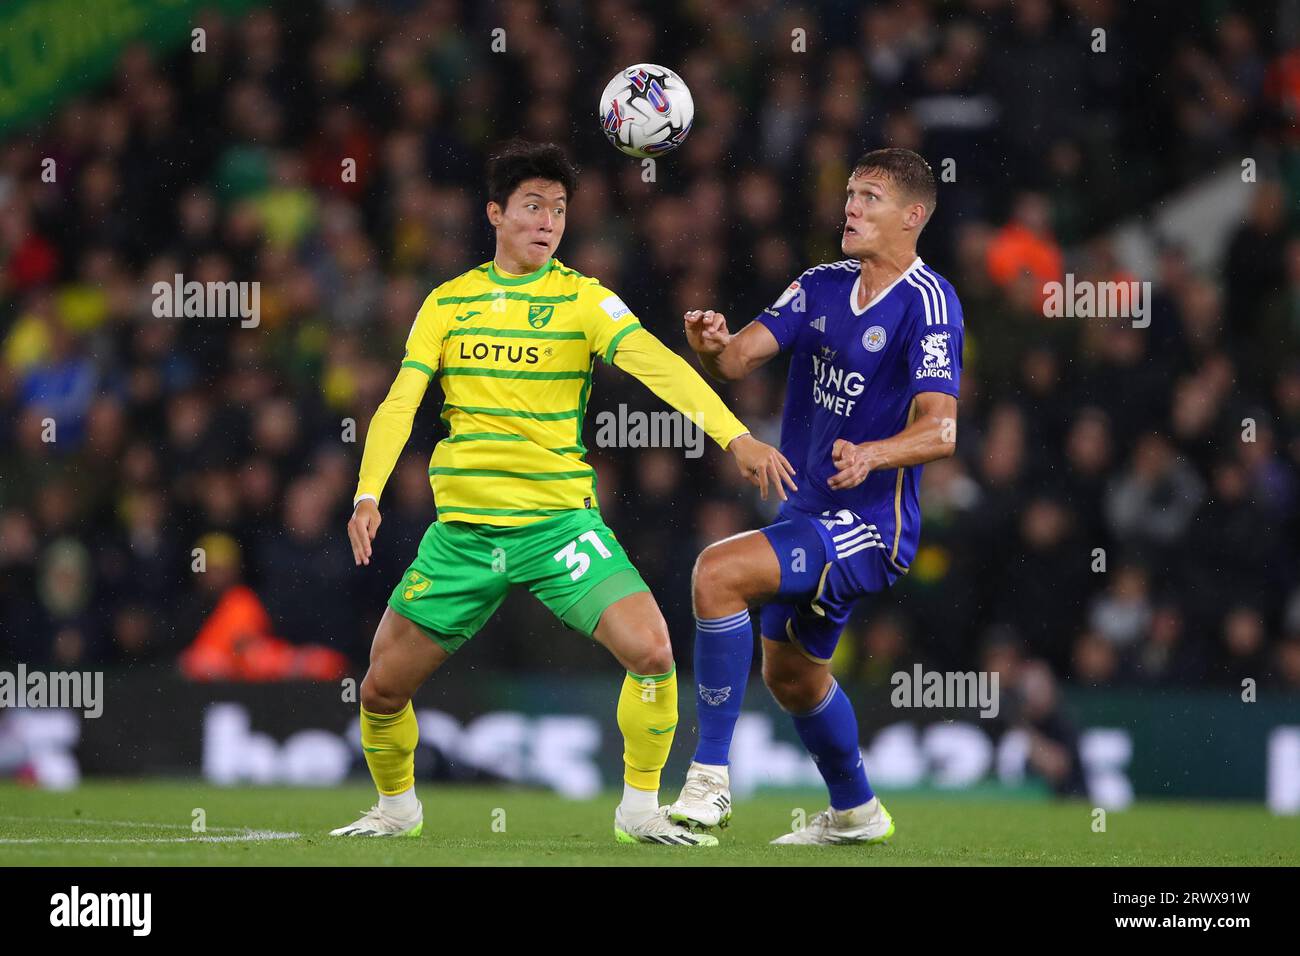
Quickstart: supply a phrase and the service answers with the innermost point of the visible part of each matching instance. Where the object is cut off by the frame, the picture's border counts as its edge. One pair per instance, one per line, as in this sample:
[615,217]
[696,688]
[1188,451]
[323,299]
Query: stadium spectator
[1075,434]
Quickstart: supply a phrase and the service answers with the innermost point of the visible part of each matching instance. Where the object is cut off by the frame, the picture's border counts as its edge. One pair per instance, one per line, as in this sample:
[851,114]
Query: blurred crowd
[1123,503]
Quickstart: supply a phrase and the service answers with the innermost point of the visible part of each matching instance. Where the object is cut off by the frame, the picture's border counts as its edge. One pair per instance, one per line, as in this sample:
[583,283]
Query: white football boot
[657,828]
[869,823]
[705,800]
[376,823]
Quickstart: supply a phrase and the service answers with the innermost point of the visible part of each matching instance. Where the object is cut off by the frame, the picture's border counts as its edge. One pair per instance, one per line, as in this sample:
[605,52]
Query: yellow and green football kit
[516,503]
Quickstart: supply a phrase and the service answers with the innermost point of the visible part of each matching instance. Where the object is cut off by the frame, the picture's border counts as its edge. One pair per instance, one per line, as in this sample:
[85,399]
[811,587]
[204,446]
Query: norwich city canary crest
[416,584]
[539,315]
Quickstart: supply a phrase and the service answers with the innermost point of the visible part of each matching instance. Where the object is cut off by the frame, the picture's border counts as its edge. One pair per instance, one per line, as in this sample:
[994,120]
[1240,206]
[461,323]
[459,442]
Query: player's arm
[385,438]
[670,377]
[390,427]
[727,357]
[931,435]
[933,357]
[615,334]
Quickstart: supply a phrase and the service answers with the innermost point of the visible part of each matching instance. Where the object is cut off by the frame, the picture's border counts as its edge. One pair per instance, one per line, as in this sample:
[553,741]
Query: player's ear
[495,213]
[916,214]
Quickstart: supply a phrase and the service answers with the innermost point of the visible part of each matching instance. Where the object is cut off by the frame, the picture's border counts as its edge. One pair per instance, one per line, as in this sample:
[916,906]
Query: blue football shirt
[854,374]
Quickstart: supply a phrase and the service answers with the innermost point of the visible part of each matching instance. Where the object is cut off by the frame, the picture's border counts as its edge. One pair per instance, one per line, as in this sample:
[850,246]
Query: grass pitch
[130,823]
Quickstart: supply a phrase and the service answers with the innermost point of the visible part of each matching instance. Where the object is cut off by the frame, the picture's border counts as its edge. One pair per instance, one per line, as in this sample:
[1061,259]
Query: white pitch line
[250,836]
[117,823]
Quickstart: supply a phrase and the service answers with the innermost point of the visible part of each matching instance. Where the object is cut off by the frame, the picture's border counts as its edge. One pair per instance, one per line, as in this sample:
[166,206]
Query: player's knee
[379,698]
[796,690]
[776,677]
[654,652]
[714,580]
[654,663]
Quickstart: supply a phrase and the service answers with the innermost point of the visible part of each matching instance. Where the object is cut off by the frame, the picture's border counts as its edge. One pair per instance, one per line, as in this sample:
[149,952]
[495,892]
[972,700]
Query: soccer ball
[646,110]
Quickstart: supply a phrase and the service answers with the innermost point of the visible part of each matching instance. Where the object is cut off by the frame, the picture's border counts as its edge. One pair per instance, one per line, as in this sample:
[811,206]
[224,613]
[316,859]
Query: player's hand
[760,463]
[706,332]
[362,529]
[852,463]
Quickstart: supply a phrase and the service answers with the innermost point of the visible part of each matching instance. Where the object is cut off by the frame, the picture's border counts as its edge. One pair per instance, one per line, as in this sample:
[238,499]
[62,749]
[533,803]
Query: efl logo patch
[790,291]
[615,307]
[539,315]
[873,340]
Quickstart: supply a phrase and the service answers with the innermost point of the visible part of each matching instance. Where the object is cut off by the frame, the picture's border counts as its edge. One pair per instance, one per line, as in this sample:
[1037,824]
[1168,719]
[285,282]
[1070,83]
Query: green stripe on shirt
[517,333]
[485,436]
[521,296]
[613,345]
[412,363]
[511,373]
[525,475]
[507,436]
[515,413]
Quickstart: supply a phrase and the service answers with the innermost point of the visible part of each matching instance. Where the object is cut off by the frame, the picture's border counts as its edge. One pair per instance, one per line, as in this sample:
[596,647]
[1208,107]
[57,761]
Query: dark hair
[513,162]
[906,170]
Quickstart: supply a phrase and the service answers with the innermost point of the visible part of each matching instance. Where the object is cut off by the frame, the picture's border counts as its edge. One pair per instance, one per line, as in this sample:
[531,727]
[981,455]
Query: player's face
[530,227]
[873,215]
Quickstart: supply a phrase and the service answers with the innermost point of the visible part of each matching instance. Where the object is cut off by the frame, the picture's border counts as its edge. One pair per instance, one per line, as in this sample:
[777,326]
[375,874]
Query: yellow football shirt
[514,355]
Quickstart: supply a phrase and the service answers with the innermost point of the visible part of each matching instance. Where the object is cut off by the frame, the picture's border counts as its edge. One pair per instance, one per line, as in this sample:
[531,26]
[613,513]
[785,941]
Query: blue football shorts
[828,563]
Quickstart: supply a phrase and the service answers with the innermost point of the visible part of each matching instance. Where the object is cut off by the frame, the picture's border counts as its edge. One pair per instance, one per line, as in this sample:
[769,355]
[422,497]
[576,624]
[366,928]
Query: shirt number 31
[577,562]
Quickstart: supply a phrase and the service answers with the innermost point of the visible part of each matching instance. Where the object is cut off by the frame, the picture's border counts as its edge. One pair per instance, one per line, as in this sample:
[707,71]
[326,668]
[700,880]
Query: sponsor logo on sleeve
[790,292]
[615,307]
[935,363]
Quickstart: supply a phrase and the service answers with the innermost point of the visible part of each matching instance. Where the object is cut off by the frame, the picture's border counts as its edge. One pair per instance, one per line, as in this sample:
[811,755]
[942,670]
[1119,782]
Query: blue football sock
[830,732]
[724,650]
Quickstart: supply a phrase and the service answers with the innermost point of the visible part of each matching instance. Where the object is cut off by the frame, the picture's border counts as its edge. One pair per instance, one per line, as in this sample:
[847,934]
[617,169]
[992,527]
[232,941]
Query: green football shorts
[572,563]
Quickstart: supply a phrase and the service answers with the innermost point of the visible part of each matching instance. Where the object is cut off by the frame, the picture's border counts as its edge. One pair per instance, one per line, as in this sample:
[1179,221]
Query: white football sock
[400,806]
[638,804]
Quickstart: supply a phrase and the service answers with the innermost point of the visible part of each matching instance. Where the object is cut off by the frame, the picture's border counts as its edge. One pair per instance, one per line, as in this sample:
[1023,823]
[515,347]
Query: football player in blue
[875,346]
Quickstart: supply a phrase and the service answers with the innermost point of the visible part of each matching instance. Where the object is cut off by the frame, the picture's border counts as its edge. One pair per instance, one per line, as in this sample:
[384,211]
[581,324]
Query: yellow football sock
[647,716]
[389,743]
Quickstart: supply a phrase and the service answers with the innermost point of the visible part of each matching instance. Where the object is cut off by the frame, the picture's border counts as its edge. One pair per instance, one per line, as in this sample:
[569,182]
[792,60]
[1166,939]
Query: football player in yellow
[513,343]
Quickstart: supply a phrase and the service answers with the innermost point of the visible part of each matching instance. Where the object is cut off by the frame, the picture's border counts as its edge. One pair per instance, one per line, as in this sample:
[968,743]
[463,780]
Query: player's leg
[799,639]
[729,576]
[578,569]
[824,719]
[401,659]
[443,599]
[634,631]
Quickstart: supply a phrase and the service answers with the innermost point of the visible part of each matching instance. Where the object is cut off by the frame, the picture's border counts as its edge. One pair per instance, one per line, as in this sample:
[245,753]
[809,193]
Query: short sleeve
[424,342]
[783,317]
[934,343]
[605,317]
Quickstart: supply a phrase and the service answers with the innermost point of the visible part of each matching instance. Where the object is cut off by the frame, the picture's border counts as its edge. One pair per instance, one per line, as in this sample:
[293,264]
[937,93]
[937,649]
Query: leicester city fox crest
[713,696]
[873,340]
